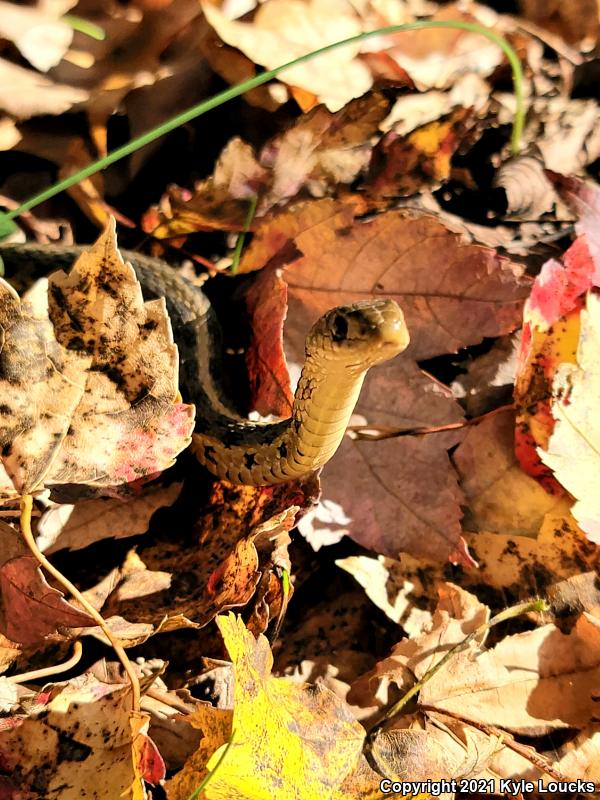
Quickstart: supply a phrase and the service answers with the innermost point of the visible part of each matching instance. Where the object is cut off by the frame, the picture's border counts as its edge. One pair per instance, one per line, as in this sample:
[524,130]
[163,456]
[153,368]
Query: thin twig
[26,507]
[374,433]
[508,740]
[44,672]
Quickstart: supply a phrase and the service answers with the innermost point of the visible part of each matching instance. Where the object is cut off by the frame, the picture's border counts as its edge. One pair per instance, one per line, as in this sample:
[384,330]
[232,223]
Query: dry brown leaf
[220,202]
[30,609]
[102,368]
[452,293]
[501,498]
[531,683]
[77,526]
[406,165]
[458,613]
[239,540]
[83,722]
[322,149]
[436,749]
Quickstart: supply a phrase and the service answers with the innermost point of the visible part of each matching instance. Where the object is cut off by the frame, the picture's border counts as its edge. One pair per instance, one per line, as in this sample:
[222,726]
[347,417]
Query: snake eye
[339,328]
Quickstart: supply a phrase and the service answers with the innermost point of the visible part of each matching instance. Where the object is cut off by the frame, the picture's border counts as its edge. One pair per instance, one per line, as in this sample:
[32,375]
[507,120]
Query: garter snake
[342,345]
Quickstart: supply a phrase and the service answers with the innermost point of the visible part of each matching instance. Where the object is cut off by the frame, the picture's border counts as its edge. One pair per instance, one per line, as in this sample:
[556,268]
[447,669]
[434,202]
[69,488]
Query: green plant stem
[264,77]
[85,26]
[237,253]
[196,792]
[508,613]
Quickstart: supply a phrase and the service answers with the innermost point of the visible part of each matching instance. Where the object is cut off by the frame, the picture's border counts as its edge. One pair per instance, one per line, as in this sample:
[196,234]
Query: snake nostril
[339,328]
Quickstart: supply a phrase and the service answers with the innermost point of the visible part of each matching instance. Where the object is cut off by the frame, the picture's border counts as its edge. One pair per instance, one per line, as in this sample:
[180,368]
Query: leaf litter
[285,624]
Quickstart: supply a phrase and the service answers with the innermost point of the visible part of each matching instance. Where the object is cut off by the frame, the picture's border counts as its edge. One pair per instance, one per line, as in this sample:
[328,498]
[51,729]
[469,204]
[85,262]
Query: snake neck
[263,454]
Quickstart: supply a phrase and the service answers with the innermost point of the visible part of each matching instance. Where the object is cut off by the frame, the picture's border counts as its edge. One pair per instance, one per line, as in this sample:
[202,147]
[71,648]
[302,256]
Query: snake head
[360,335]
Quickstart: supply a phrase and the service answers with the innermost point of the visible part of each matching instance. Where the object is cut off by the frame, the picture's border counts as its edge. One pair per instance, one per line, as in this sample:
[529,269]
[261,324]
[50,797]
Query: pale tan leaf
[76,526]
[41,38]
[530,683]
[286,29]
[25,93]
[574,446]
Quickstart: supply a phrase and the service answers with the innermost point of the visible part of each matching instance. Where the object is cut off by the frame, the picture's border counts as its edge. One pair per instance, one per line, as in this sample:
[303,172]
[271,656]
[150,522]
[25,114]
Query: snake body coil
[340,348]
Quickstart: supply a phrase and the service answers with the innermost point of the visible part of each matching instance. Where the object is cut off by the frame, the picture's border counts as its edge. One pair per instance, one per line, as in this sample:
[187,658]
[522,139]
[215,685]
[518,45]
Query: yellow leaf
[290,741]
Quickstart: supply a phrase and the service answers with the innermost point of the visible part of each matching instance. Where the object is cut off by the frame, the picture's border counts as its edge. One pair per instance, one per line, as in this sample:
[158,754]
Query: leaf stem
[538,605]
[36,674]
[258,80]
[26,508]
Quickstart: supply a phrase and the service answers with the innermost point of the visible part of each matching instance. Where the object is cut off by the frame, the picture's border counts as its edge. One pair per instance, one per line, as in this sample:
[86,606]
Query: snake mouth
[392,329]
[360,335]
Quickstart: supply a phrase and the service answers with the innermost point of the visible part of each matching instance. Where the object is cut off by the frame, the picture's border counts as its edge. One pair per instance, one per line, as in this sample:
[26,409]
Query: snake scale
[342,345]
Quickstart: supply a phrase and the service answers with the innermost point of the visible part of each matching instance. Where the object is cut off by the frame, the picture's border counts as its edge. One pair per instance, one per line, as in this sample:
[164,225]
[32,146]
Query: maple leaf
[89,379]
[398,495]
[30,609]
[572,451]
[86,722]
[278,747]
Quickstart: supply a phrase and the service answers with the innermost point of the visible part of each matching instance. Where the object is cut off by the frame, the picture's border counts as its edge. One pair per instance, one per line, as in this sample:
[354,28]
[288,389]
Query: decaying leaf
[239,540]
[88,521]
[80,731]
[102,368]
[30,609]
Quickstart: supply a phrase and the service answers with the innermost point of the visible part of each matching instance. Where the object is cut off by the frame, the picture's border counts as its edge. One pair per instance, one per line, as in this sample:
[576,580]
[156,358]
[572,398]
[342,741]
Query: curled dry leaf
[30,609]
[89,379]
[529,193]
[238,542]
